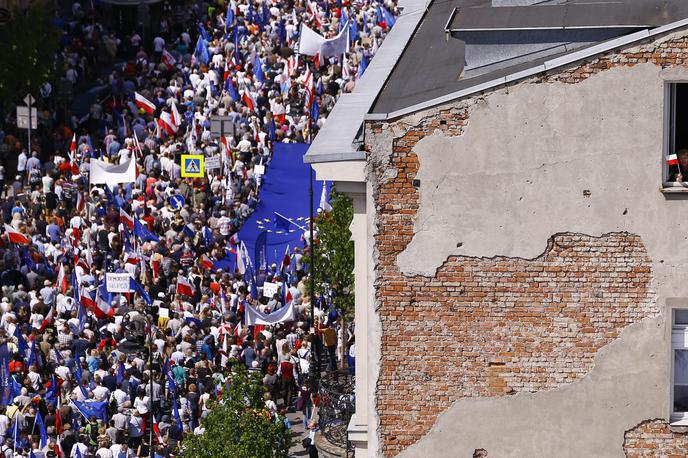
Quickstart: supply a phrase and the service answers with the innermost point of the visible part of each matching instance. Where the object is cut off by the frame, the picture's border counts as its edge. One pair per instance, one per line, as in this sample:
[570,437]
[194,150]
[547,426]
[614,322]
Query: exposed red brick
[654,438]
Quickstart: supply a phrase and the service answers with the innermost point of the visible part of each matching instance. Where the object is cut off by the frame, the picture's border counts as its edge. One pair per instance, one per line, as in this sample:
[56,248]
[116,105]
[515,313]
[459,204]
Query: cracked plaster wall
[533,161]
[547,158]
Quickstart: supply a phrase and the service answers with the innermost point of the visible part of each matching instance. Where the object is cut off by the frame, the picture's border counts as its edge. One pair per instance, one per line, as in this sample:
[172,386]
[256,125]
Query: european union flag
[143,233]
[41,429]
[202,51]
[362,66]
[203,32]
[229,19]
[229,87]
[120,373]
[315,111]
[389,17]
[258,69]
[21,343]
[138,288]
[281,223]
[92,409]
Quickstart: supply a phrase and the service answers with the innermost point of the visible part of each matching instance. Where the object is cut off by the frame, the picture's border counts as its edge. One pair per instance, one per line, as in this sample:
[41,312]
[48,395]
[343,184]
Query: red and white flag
[286,261]
[167,123]
[248,100]
[156,430]
[126,220]
[72,146]
[184,287]
[176,117]
[61,283]
[15,236]
[103,308]
[86,300]
[144,104]
[672,159]
[168,59]
[49,318]
[207,263]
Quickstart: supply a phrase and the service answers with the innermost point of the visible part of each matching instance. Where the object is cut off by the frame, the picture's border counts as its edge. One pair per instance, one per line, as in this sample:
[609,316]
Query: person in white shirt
[83,449]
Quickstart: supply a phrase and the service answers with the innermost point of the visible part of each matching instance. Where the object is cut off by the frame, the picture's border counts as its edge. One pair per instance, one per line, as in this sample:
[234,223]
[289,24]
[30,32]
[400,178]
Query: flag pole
[291,221]
[311,221]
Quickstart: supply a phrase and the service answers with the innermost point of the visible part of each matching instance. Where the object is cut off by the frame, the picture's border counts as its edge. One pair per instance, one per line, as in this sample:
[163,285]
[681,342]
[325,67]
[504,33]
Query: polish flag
[15,236]
[672,159]
[58,421]
[144,104]
[132,258]
[72,146]
[156,430]
[184,287]
[176,117]
[246,97]
[81,263]
[47,321]
[167,123]
[286,262]
[225,75]
[103,308]
[125,219]
[205,262]
[87,301]
[61,283]
[80,202]
[168,59]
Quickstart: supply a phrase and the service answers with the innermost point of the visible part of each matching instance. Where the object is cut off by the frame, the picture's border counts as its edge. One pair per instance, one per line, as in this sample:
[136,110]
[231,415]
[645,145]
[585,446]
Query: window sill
[673,187]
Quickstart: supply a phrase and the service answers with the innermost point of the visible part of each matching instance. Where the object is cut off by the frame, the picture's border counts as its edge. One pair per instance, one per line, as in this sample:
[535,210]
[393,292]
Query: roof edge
[336,141]
[546,66]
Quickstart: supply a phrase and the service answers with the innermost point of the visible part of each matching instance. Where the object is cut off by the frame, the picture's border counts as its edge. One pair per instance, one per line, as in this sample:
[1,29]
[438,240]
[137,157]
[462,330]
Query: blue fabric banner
[285,191]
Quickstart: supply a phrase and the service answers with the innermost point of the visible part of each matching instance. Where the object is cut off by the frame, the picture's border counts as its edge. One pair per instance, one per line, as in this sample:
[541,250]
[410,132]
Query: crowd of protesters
[75,368]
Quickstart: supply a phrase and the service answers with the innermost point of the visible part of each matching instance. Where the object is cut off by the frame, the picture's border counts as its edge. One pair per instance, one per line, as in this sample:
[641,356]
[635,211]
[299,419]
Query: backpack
[287,368]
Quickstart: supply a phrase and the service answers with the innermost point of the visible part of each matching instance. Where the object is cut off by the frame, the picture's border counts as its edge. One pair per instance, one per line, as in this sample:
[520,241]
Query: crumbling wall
[519,234]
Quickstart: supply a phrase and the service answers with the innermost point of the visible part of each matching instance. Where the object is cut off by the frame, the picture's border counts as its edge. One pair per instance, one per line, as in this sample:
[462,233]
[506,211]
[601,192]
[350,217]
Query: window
[679,367]
[676,135]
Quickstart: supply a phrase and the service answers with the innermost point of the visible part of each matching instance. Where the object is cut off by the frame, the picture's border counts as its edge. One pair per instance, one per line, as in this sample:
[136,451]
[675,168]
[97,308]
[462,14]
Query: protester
[88,371]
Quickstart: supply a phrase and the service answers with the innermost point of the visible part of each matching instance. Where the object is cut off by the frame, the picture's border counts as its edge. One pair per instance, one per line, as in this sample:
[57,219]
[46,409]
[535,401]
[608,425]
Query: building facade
[522,261]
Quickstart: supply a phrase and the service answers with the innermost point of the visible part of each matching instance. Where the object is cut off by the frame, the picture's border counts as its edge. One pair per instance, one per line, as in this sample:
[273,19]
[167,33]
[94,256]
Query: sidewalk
[298,432]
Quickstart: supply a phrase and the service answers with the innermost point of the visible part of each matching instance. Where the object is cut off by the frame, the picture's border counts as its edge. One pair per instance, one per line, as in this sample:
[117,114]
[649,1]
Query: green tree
[29,42]
[239,426]
[334,254]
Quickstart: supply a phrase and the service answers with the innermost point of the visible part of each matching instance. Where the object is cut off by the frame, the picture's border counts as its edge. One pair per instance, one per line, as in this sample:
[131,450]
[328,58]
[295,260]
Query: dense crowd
[75,366]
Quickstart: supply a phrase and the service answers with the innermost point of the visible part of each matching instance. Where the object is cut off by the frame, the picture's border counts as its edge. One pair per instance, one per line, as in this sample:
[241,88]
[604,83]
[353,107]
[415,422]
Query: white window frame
[669,146]
[679,341]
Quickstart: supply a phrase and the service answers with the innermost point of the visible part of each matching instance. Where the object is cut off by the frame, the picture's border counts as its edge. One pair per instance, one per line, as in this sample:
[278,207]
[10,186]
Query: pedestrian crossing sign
[192,166]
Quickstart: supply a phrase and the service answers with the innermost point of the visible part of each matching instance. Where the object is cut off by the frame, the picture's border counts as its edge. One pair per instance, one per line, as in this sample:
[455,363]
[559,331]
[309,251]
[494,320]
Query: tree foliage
[334,255]
[29,42]
[239,425]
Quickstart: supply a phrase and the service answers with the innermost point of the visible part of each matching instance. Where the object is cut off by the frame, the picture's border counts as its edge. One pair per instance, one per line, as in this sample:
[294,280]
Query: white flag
[325,199]
[112,175]
[312,43]
[253,316]
[335,47]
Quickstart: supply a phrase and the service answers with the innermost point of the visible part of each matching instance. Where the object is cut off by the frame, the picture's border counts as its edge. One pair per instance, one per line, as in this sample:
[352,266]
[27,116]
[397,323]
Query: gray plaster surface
[586,419]
[547,158]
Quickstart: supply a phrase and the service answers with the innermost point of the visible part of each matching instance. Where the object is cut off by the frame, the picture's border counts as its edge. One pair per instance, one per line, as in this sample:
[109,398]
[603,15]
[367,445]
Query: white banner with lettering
[118,283]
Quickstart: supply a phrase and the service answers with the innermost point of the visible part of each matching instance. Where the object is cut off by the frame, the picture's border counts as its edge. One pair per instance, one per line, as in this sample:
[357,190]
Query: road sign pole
[29,103]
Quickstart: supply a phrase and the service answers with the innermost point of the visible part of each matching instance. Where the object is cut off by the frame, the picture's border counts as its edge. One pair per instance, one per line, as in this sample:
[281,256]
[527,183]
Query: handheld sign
[118,283]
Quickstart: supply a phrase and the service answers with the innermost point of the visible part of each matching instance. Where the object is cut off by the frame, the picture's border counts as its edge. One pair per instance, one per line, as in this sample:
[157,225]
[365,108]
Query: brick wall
[490,327]
[499,326]
[654,438]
